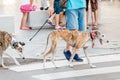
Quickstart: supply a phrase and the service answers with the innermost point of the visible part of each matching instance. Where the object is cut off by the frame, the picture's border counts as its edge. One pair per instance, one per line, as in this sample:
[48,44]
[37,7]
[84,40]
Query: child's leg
[24,20]
[50,20]
[57,20]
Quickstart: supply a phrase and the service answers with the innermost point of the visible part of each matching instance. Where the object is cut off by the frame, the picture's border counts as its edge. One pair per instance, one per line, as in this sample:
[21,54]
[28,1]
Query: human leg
[61,18]
[57,21]
[87,13]
[94,6]
[72,24]
[82,19]
[23,21]
[50,20]
[58,11]
[96,17]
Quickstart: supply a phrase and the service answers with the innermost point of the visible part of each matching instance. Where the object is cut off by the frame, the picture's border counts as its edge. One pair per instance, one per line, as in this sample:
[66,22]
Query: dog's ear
[22,43]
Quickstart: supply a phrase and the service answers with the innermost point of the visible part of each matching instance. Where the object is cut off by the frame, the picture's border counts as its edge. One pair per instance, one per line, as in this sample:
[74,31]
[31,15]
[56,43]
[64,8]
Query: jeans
[76,19]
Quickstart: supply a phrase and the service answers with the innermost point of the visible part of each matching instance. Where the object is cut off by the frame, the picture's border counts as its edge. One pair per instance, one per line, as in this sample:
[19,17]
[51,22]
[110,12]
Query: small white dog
[7,40]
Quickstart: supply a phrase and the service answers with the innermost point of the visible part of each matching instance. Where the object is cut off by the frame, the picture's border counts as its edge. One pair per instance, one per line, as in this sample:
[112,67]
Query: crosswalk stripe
[61,63]
[77,73]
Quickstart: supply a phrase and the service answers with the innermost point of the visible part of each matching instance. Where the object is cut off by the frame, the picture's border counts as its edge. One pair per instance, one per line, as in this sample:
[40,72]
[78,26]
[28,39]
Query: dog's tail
[46,44]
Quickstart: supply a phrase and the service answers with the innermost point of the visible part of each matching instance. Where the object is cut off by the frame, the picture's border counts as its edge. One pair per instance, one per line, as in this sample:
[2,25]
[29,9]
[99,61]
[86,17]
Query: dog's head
[19,47]
[96,35]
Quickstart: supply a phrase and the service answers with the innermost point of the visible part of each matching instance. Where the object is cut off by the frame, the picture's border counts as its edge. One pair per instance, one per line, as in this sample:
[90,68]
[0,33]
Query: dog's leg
[15,60]
[44,61]
[2,61]
[53,60]
[72,56]
[85,52]
[52,50]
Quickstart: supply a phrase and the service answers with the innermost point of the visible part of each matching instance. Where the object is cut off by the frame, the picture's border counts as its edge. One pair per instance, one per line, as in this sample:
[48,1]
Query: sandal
[50,23]
[58,28]
[63,27]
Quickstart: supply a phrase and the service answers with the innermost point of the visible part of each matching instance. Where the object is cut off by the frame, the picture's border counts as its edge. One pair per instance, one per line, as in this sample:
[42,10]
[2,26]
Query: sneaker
[77,58]
[68,55]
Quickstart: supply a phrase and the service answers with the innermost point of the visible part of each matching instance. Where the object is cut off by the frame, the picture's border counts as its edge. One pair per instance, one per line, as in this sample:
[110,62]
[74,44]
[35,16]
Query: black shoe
[41,8]
[77,58]
[46,8]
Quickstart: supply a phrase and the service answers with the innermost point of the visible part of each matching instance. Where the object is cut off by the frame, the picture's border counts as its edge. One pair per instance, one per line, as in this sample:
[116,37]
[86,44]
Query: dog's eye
[15,44]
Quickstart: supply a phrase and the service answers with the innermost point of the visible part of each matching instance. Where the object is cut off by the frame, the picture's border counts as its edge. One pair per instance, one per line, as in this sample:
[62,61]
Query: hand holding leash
[50,13]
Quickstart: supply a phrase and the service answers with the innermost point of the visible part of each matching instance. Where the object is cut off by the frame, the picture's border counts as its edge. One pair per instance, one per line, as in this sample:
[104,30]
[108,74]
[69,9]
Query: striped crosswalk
[74,72]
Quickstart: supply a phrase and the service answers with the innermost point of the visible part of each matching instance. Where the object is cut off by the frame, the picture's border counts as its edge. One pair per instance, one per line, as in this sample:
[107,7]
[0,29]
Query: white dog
[7,40]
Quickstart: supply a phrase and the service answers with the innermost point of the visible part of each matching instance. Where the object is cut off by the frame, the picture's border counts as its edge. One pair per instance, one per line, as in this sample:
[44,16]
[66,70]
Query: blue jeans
[76,19]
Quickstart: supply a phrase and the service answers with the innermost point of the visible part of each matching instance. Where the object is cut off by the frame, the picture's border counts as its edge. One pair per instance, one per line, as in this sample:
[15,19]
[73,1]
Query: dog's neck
[12,42]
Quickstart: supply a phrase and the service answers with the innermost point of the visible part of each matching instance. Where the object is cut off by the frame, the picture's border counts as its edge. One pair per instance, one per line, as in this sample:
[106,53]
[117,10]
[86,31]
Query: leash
[46,21]
[40,27]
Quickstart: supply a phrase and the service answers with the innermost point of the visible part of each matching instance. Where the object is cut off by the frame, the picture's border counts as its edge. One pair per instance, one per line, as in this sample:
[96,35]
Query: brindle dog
[74,38]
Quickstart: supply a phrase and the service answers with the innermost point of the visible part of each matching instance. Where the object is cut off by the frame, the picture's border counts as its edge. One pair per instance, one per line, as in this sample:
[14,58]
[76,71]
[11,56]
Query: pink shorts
[27,8]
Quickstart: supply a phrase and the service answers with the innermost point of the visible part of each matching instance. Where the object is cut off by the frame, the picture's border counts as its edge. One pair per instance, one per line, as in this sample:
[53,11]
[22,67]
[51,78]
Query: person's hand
[50,11]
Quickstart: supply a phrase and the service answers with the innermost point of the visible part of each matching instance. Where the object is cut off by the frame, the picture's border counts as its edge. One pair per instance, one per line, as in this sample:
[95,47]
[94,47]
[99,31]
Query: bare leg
[24,20]
[96,17]
[68,47]
[52,17]
[56,20]
[61,18]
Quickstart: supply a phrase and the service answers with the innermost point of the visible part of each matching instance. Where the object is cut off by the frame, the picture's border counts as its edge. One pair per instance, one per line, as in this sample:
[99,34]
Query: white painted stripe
[61,63]
[77,73]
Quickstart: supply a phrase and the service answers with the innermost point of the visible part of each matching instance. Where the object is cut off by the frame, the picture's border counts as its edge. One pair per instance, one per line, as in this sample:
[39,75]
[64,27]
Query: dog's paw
[4,66]
[92,66]
[18,64]
[38,54]
[71,65]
